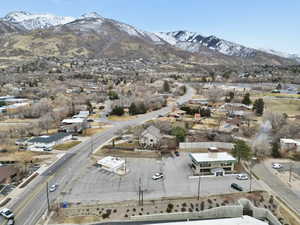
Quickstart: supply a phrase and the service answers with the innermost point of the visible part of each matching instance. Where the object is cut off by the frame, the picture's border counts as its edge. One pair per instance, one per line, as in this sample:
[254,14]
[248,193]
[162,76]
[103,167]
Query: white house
[46,142]
[289,144]
[112,164]
[150,138]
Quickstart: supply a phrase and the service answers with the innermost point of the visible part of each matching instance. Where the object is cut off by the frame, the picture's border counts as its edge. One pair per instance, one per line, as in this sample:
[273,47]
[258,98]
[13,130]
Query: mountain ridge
[94,35]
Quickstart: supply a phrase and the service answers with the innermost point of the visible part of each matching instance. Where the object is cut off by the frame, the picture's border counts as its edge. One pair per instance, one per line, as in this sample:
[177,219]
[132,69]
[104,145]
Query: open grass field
[288,106]
[67,145]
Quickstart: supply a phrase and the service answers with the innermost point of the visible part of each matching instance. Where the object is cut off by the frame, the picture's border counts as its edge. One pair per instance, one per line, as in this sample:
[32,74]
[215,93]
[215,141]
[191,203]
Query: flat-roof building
[243,220]
[212,163]
[112,164]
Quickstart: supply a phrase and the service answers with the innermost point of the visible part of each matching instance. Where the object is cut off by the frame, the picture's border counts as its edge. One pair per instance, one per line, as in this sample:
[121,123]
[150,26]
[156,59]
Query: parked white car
[7,213]
[242,176]
[53,188]
[157,176]
[276,166]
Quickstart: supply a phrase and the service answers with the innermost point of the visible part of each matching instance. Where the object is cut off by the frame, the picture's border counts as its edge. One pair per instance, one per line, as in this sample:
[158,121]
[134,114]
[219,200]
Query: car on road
[242,176]
[177,153]
[157,176]
[276,166]
[236,187]
[7,213]
[53,188]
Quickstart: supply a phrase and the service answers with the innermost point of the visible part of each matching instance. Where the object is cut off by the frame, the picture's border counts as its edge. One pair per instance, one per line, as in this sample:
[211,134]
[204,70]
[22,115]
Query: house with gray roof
[47,142]
[150,138]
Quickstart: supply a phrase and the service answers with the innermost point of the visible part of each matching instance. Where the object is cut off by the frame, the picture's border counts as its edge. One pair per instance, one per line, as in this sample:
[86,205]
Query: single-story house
[45,142]
[150,138]
[289,144]
[82,114]
[212,163]
[112,164]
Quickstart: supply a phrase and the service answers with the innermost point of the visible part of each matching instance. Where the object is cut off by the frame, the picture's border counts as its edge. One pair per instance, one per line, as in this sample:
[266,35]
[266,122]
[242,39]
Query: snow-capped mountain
[193,42]
[36,21]
[9,27]
[88,21]
[282,54]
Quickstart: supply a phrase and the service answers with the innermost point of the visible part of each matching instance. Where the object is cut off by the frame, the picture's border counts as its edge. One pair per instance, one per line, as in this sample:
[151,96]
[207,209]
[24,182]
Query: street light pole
[199,186]
[47,194]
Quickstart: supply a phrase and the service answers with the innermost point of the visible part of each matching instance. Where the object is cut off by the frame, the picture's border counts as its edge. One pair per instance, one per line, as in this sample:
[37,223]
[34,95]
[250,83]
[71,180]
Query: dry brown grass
[92,131]
[290,107]
[121,118]
[67,145]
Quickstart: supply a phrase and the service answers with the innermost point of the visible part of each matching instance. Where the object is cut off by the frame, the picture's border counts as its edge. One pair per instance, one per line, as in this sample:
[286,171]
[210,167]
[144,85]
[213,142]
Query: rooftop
[153,131]
[244,220]
[111,162]
[49,139]
[212,157]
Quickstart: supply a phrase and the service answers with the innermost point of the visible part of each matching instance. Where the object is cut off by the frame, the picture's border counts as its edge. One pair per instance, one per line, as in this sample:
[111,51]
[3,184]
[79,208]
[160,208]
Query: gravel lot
[98,185]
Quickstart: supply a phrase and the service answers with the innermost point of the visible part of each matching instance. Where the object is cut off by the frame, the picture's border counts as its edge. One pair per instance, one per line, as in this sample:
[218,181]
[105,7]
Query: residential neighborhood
[149,112]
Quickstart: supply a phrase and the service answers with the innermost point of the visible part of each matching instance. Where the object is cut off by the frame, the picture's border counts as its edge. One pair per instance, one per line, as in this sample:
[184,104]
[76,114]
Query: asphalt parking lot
[98,185]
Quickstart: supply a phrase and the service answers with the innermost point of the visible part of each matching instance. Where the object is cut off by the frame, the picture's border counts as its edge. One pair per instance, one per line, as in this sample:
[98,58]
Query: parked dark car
[236,187]
[177,153]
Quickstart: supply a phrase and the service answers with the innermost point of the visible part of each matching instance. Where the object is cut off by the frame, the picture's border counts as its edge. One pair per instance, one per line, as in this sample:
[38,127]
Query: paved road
[31,204]
[277,186]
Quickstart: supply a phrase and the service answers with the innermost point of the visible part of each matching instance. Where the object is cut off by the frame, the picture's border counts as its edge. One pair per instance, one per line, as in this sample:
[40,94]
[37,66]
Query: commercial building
[212,163]
[112,164]
[243,220]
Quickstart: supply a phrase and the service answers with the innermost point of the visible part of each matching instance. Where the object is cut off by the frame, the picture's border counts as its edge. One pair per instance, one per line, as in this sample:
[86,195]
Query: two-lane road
[31,204]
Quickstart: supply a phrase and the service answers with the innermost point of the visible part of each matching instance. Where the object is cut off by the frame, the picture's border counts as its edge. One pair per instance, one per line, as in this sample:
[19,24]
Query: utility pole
[92,145]
[250,168]
[47,194]
[290,174]
[139,191]
[199,186]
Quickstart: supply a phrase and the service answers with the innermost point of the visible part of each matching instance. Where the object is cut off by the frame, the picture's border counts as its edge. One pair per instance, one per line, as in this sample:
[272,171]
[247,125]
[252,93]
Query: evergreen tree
[241,150]
[117,110]
[133,109]
[141,108]
[179,132]
[258,106]
[166,86]
[246,100]
[275,150]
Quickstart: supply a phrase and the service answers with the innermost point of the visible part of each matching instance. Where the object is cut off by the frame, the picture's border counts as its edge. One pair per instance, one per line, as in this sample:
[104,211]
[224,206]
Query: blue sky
[257,23]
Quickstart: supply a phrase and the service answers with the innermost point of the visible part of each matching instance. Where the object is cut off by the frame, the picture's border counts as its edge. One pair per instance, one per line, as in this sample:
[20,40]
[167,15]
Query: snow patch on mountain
[36,21]
[192,41]
[281,54]
[91,15]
